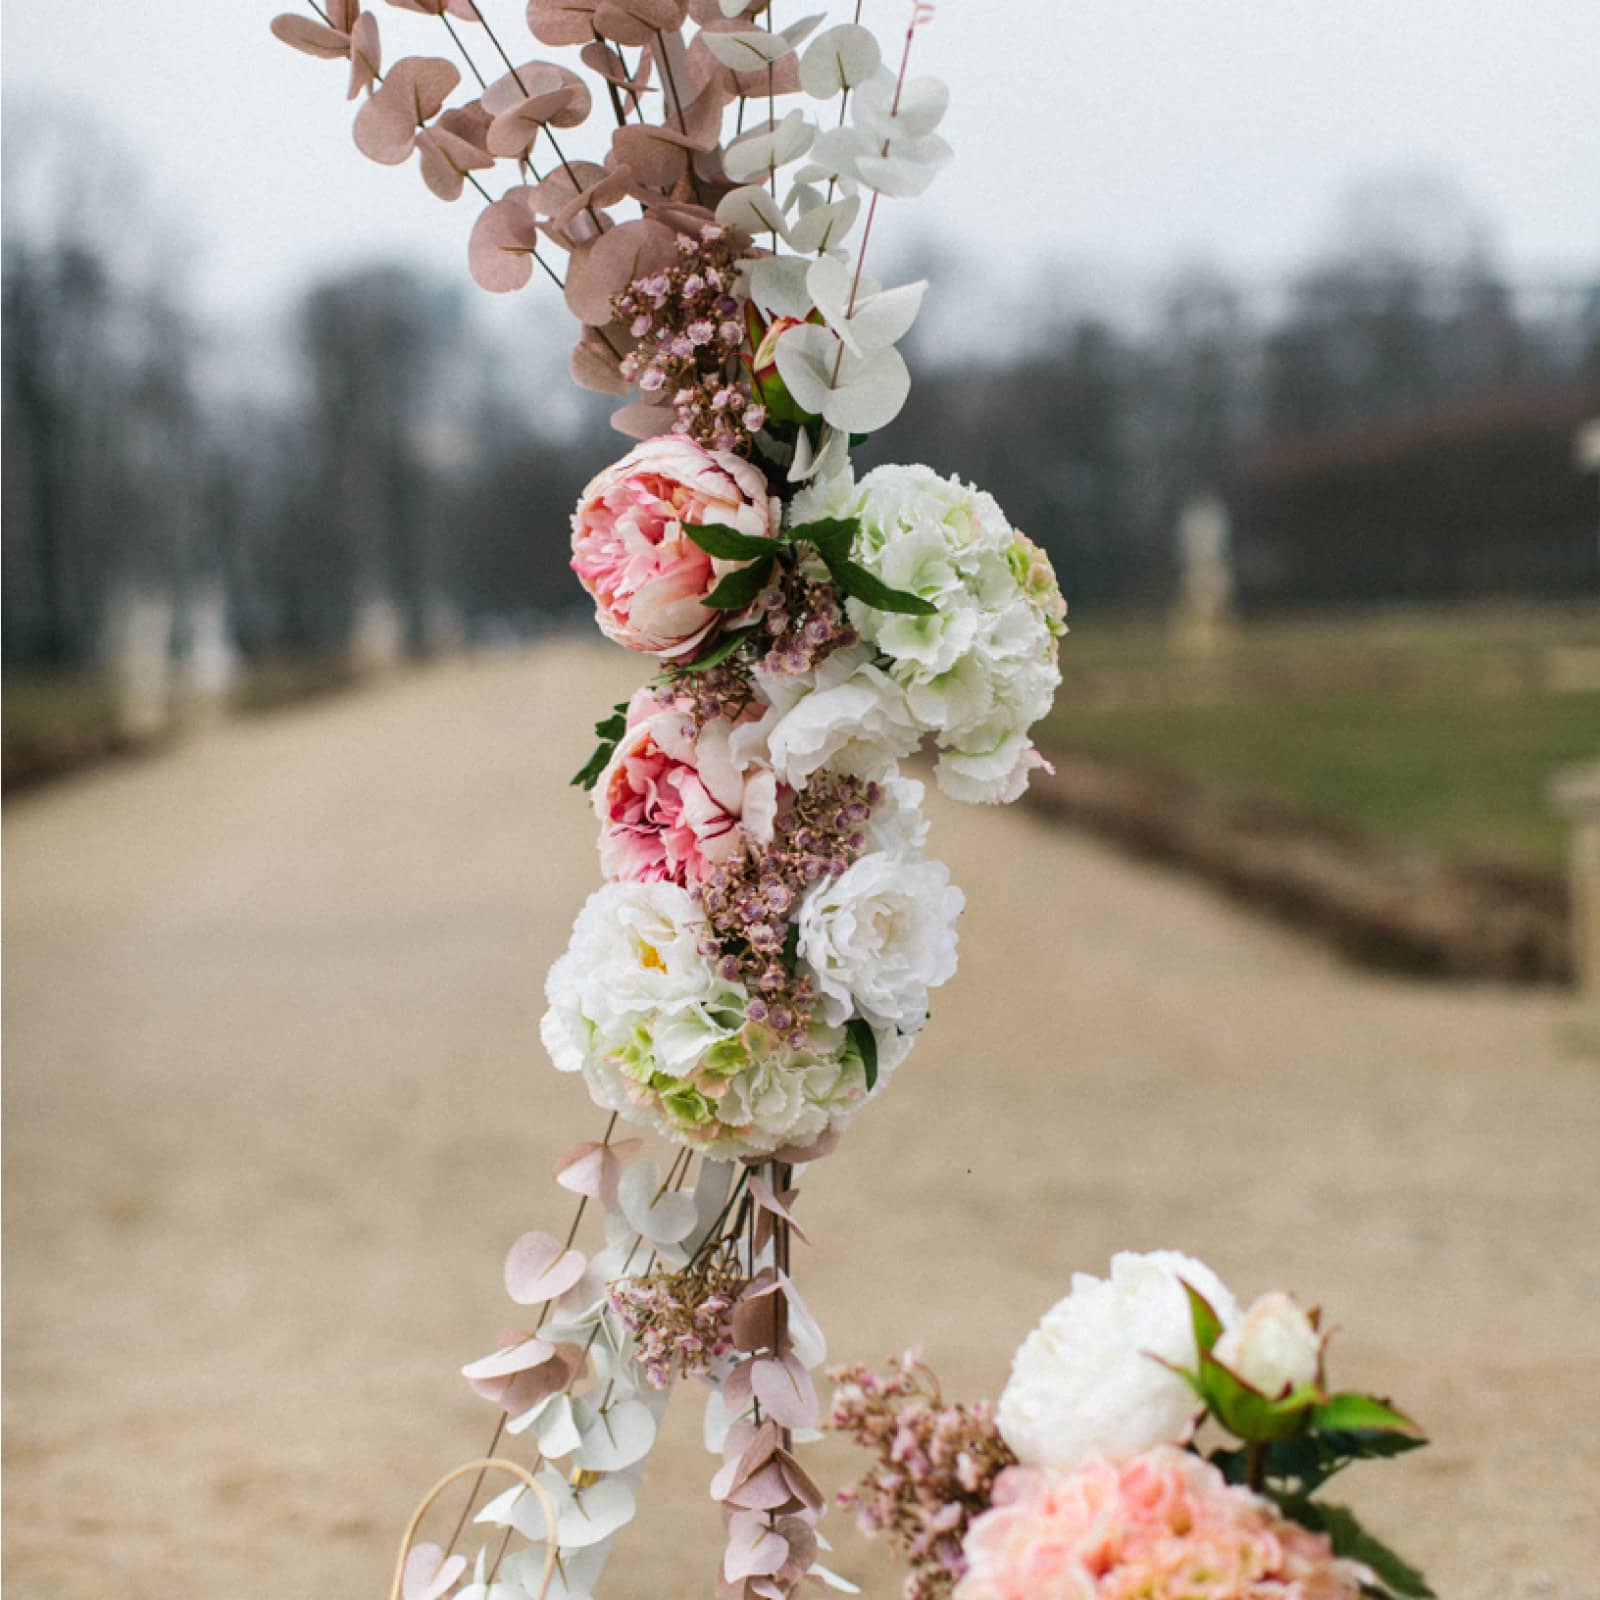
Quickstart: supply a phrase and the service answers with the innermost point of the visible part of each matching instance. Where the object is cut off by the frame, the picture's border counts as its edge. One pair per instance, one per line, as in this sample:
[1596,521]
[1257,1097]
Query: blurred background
[1278,325]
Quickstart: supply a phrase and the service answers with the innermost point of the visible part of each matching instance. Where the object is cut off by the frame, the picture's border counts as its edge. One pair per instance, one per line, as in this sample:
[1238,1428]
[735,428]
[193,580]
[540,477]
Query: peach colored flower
[674,803]
[648,579]
[1164,1525]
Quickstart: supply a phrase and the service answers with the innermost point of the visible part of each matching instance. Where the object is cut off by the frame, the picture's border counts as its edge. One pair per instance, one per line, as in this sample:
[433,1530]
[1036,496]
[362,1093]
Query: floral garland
[1086,1482]
[762,955]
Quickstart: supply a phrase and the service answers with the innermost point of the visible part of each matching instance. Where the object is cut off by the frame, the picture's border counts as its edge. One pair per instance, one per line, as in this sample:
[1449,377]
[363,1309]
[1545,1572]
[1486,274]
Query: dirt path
[275,1105]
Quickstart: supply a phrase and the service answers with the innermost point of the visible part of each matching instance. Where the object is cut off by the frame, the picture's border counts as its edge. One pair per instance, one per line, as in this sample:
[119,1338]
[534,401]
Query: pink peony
[1164,1525]
[674,803]
[649,580]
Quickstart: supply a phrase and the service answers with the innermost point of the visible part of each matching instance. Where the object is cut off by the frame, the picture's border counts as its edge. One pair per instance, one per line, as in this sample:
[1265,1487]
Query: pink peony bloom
[649,580]
[1164,1525]
[674,804]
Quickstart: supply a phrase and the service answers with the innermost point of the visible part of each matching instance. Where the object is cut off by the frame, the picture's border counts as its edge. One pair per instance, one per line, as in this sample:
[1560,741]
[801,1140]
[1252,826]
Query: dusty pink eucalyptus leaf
[602,270]
[801,1538]
[439,8]
[776,1205]
[755,1322]
[446,158]
[343,13]
[366,54]
[763,1490]
[642,421]
[522,1391]
[657,156]
[594,365]
[310,37]
[797,1155]
[583,216]
[561,21]
[519,1354]
[504,238]
[754,1550]
[785,1390]
[539,1269]
[427,1575]
[707,68]
[411,96]
[593,1169]
[801,1486]
[637,22]
[607,64]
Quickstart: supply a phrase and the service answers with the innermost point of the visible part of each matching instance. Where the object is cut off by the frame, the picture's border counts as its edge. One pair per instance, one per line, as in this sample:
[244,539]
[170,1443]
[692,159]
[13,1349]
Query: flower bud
[1274,1347]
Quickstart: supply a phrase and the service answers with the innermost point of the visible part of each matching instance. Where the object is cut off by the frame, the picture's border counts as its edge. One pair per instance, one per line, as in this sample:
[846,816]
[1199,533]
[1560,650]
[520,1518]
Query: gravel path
[275,1105]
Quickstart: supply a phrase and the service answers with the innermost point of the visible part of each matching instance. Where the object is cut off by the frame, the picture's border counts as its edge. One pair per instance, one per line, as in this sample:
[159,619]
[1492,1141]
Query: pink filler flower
[675,803]
[648,579]
[1164,1525]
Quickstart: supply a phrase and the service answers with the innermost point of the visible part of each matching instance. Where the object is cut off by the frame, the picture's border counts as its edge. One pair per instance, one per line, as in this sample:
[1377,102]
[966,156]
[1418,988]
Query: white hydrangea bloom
[981,669]
[1085,1382]
[665,1042]
[878,937]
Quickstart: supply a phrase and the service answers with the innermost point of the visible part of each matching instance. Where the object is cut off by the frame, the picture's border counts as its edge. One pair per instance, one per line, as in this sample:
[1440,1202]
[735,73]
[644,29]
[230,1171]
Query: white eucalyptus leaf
[623,1434]
[918,110]
[766,148]
[660,1218]
[753,210]
[835,152]
[560,1428]
[839,59]
[828,1579]
[898,177]
[518,1509]
[734,8]
[883,319]
[593,1514]
[748,50]
[778,286]
[825,227]
[806,356]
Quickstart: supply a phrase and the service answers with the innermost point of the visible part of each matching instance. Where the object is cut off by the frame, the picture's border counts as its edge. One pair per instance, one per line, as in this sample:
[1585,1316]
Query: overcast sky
[1125,134]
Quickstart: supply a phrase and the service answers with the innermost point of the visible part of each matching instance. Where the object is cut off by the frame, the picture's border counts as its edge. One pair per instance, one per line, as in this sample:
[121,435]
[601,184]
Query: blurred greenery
[1443,732]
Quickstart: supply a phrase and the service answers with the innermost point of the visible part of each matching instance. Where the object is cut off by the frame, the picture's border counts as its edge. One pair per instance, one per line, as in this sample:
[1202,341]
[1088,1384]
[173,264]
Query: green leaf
[1246,1412]
[728,544]
[715,656]
[857,582]
[1346,1412]
[833,537]
[1353,1541]
[866,1043]
[1207,1324]
[740,588]
[609,730]
[1305,1462]
[791,947]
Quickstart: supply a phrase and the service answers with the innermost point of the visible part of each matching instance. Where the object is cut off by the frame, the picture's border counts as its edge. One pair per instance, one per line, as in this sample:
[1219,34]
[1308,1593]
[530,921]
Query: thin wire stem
[472,66]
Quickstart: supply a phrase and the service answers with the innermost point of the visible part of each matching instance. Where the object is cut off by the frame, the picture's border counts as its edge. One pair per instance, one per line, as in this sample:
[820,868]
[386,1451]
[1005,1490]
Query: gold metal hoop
[488,1464]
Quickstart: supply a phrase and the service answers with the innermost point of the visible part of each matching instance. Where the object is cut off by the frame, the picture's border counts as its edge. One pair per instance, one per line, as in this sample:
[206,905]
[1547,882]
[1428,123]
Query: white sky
[1124,134]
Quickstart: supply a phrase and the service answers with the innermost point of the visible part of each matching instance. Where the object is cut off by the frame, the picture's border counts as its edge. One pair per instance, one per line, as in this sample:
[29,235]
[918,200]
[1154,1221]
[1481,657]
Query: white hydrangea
[662,1040]
[879,936]
[1087,1381]
[981,669]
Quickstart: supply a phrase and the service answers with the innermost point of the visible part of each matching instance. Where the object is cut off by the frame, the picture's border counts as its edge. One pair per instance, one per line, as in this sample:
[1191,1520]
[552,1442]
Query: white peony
[990,777]
[847,716]
[879,936]
[898,823]
[1274,1347]
[1086,1382]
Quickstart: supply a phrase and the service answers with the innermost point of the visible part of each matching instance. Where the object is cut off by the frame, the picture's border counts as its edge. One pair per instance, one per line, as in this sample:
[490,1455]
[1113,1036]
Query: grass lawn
[1400,750]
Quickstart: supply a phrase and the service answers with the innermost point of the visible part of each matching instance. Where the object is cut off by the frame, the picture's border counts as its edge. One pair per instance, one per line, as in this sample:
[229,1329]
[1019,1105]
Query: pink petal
[538,1269]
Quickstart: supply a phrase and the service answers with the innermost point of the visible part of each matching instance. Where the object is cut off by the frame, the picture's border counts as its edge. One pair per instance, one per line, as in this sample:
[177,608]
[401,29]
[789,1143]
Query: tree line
[409,463]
